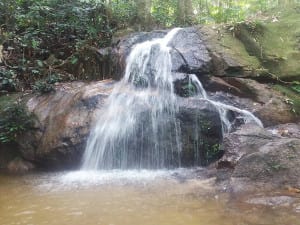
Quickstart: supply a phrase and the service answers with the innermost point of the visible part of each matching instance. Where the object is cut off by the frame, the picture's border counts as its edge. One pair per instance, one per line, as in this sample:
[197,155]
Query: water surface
[127,198]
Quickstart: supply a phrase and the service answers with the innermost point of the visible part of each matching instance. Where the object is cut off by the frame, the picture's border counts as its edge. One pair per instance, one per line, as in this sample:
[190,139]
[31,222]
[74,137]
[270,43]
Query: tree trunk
[184,12]
[143,14]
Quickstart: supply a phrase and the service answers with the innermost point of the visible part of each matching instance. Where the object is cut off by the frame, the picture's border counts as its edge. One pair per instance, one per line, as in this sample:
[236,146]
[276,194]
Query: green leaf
[40,63]
[74,60]
[35,71]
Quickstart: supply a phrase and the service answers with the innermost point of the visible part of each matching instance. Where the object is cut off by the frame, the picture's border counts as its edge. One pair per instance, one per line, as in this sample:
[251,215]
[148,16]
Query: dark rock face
[188,53]
[201,132]
[183,86]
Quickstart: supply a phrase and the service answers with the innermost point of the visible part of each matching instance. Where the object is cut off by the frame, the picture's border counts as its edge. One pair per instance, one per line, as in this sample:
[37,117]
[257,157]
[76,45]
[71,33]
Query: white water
[223,109]
[130,132]
[138,127]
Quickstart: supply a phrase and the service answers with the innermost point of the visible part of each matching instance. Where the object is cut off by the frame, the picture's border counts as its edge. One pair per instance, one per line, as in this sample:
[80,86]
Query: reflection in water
[126,198]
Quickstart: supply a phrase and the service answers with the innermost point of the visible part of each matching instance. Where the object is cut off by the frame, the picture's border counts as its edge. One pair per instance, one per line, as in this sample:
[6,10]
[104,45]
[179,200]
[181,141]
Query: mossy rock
[275,42]
[268,49]
[229,55]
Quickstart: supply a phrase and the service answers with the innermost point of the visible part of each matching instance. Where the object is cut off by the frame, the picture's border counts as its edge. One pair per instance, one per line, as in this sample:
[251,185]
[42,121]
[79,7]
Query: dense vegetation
[41,40]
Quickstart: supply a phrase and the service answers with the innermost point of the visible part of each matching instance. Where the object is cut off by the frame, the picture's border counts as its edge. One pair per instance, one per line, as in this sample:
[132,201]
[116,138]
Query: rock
[19,165]
[63,121]
[269,105]
[218,84]
[261,160]
[65,117]
[188,52]
[275,162]
[183,85]
[187,44]
[199,51]
[228,54]
[8,152]
[248,138]
[291,130]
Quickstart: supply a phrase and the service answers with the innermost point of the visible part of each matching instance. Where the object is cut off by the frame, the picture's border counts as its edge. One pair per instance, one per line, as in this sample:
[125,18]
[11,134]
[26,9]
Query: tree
[184,12]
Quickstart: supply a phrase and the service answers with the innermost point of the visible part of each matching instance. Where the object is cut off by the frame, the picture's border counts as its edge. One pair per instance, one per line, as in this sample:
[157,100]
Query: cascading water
[139,115]
[139,128]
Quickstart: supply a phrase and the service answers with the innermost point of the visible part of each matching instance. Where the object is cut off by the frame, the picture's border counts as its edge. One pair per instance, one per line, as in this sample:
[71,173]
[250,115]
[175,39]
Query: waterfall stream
[138,126]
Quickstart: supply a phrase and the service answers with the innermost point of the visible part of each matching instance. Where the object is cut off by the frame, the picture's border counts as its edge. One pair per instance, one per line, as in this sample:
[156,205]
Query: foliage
[13,121]
[213,152]
[188,90]
[8,81]
[123,12]
[43,87]
[296,86]
[38,36]
[164,12]
[42,37]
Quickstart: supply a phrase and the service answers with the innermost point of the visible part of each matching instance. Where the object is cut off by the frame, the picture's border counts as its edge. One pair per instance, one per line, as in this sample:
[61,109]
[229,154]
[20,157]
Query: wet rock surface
[201,131]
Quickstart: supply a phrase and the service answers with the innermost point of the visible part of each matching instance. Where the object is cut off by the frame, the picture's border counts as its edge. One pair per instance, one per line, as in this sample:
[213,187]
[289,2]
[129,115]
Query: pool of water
[127,198]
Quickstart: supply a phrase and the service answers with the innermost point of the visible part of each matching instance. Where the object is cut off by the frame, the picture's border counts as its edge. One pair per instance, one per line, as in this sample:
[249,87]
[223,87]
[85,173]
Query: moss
[282,41]
[237,50]
[275,42]
[292,98]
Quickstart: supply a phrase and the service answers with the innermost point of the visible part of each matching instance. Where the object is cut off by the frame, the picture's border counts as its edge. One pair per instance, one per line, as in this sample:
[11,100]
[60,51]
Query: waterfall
[140,113]
[138,127]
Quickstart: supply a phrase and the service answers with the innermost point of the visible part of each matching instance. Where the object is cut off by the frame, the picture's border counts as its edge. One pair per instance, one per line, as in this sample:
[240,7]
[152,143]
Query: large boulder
[64,119]
[188,52]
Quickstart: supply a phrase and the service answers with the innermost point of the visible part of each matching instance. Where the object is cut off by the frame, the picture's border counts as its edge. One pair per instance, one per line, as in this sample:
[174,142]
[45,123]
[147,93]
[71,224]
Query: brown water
[127,198]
